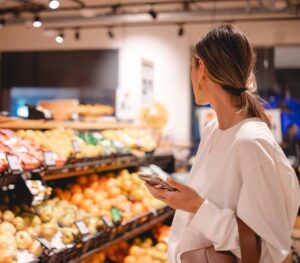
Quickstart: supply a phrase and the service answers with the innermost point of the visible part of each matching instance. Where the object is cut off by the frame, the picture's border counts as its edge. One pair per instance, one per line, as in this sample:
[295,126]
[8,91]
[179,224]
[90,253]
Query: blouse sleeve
[268,204]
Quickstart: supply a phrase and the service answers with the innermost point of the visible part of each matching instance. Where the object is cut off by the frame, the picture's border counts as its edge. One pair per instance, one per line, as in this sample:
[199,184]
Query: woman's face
[197,76]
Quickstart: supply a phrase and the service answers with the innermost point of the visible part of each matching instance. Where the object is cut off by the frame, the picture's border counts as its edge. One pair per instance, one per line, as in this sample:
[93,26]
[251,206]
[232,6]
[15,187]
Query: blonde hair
[230,60]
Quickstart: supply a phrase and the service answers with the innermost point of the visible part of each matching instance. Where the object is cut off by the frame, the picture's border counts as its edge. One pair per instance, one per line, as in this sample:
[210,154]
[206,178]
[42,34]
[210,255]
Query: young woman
[240,170]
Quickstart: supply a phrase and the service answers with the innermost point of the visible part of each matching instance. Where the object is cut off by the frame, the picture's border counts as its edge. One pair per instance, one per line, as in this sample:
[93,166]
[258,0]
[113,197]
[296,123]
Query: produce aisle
[73,195]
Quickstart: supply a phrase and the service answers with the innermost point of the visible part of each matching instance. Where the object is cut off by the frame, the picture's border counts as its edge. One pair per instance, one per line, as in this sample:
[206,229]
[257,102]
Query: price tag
[76,146]
[49,158]
[45,243]
[14,163]
[107,222]
[82,227]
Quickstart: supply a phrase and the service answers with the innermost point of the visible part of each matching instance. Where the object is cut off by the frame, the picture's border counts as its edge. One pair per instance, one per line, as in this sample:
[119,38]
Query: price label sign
[76,146]
[44,242]
[49,158]
[107,222]
[13,162]
[82,227]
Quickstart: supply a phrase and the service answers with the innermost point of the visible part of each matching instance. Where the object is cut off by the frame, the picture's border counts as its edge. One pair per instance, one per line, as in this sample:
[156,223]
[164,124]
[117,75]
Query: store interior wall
[169,53]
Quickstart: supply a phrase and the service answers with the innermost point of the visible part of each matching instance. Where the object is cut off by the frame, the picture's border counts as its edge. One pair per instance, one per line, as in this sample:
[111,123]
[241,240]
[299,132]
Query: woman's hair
[230,59]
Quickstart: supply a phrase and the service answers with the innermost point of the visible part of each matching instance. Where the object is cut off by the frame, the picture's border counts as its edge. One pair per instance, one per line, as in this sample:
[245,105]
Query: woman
[239,168]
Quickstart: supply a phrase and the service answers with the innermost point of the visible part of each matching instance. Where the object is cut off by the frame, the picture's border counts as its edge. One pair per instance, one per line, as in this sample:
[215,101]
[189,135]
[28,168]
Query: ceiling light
[60,38]
[153,14]
[54,4]
[77,34]
[37,22]
[110,34]
[2,23]
[180,32]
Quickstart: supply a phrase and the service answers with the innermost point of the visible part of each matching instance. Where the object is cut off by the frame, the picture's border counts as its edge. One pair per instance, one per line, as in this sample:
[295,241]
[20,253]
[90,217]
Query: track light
[180,32]
[110,34]
[2,23]
[60,38]
[37,22]
[153,14]
[54,4]
[77,34]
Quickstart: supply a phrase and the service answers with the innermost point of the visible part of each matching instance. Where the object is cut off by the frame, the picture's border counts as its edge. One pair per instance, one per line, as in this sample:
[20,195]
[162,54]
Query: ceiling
[81,13]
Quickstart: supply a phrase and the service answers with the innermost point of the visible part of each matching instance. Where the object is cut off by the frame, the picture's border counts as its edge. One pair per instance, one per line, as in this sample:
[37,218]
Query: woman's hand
[185,198]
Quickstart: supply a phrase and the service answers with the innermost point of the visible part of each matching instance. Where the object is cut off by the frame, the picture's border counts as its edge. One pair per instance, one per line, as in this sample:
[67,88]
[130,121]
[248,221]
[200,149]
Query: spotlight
[2,23]
[77,34]
[37,22]
[153,14]
[110,34]
[60,38]
[180,32]
[54,4]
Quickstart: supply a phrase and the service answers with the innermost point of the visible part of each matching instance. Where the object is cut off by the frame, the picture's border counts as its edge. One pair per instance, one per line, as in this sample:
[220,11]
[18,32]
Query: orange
[138,208]
[75,188]
[82,180]
[89,193]
[77,198]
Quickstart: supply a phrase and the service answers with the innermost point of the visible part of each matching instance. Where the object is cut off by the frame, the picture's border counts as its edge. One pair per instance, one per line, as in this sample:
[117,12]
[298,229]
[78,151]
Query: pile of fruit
[53,220]
[29,154]
[145,250]
[132,137]
[59,141]
[97,194]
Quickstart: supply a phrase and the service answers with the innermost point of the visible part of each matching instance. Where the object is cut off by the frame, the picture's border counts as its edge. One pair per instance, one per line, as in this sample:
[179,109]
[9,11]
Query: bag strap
[249,242]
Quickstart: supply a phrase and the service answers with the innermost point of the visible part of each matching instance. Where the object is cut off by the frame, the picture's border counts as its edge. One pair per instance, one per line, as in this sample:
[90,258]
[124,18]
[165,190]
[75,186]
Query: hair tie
[234,91]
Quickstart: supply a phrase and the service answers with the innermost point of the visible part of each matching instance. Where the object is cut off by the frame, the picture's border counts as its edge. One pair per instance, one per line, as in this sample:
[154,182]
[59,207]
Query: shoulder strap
[249,242]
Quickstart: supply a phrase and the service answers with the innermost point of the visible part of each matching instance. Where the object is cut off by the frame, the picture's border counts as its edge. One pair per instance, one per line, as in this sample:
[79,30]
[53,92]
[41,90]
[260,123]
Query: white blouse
[243,171]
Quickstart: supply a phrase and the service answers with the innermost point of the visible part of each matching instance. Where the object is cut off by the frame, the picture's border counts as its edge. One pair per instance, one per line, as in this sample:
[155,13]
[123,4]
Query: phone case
[154,179]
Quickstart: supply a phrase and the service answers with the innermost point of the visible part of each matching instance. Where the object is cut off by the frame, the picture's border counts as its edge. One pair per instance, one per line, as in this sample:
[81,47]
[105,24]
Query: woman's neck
[227,115]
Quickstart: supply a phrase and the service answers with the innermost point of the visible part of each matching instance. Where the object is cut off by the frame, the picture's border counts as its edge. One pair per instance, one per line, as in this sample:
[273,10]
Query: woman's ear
[202,69]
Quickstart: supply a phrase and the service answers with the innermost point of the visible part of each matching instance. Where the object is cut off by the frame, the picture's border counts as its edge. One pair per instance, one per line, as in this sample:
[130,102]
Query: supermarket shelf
[103,165]
[128,235]
[81,168]
[16,124]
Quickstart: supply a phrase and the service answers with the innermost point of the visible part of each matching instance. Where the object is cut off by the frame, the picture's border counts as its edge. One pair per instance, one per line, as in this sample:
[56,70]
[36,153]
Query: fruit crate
[8,178]
[66,255]
[94,242]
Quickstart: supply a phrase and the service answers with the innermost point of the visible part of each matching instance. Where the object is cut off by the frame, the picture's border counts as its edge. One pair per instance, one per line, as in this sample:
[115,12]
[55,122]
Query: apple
[6,226]
[8,255]
[67,220]
[46,214]
[36,221]
[35,248]
[8,216]
[19,223]
[49,230]
[7,240]
[23,239]
[67,235]
[34,230]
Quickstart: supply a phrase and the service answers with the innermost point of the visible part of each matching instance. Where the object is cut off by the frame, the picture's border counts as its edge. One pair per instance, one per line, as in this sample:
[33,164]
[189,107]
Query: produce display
[53,220]
[82,213]
[90,144]
[61,142]
[30,155]
[98,194]
[146,250]
[132,138]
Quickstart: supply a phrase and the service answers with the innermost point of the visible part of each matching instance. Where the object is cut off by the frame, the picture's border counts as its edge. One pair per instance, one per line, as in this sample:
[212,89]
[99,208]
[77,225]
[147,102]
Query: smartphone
[155,176]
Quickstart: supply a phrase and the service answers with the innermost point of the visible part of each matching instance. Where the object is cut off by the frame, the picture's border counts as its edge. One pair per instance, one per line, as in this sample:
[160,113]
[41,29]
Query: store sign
[147,98]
